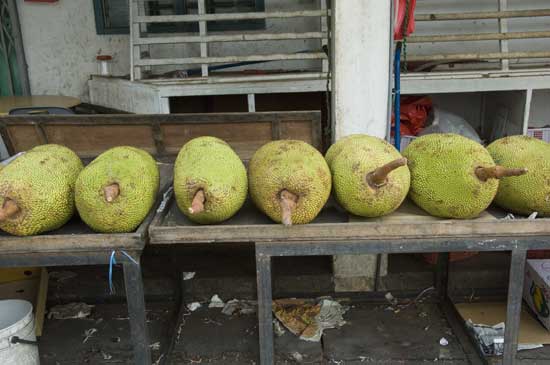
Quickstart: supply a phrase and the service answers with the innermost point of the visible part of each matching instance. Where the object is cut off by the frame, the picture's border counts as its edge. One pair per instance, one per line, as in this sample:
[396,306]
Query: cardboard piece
[536,289]
[492,313]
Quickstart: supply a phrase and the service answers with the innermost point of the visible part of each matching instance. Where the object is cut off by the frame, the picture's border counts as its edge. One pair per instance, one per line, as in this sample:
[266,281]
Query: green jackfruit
[289,181]
[116,191]
[337,147]
[37,190]
[452,176]
[210,182]
[529,193]
[370,177]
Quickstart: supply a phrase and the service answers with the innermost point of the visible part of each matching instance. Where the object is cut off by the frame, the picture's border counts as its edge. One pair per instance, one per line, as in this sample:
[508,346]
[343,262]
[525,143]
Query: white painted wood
[251,103]
[202,33]
[245,37]
[527,110]
[360,81]
[229,16]
[503,28]
[135,49]
[124,95]
[224,59]
[164,105]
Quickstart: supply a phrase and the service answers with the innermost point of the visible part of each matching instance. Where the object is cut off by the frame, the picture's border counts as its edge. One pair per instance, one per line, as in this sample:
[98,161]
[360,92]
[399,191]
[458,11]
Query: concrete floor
[372,335]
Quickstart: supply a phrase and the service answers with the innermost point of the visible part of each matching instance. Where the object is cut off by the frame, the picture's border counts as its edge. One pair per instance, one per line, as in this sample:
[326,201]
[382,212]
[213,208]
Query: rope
[112,262]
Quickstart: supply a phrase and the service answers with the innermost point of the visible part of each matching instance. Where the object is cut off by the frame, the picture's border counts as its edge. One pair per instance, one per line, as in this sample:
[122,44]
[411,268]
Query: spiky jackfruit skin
[292,165]
[528,193]
[41,182]
[137,175]
[443,179]
[211,165]
[337,147]
[350,167]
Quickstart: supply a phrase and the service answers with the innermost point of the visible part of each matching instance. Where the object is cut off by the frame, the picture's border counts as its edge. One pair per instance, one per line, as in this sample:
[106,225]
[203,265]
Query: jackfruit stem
[8,209]
[497,172]
[288,202]
[111,192]
[379,177]
[197,205]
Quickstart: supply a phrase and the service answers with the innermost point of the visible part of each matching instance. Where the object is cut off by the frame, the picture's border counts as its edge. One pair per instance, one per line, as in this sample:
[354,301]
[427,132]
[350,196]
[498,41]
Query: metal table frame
[518,246]
[132,282]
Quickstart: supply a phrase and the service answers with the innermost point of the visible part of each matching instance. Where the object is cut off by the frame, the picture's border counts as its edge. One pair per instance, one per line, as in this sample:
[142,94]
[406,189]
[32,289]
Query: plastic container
[539,133]
[104,65]
[17,320]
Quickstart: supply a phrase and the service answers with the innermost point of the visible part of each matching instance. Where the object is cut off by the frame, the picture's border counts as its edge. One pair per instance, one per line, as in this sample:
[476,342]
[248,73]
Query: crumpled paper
[308,319]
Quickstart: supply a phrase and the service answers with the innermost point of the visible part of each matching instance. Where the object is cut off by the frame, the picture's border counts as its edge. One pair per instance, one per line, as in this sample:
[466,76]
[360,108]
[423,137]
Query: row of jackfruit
[447,175]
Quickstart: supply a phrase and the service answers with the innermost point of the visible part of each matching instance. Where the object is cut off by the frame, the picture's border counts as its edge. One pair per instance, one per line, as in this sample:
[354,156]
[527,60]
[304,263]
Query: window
[112,15]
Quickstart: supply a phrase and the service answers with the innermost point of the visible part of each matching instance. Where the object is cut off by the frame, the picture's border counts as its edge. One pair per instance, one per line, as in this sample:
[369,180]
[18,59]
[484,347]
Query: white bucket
[17,319]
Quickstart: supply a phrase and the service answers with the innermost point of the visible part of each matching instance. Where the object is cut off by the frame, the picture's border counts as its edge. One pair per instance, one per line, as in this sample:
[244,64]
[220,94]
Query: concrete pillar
[360,91]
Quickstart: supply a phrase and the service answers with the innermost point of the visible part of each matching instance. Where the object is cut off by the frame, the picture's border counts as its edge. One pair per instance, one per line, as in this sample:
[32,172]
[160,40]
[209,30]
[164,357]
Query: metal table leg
[265,317]
[513,312]
[136,311]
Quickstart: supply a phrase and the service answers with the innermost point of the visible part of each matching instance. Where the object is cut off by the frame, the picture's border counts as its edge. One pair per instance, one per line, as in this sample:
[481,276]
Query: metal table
[75,244]
[408,230]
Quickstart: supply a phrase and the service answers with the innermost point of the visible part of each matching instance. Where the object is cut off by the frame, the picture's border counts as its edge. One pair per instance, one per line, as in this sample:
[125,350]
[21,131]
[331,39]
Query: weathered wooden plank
[89,135]
[224,59]
[332,229]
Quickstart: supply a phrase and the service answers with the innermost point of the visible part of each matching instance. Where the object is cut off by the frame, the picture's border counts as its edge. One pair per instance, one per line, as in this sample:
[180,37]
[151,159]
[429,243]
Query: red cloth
[401,6]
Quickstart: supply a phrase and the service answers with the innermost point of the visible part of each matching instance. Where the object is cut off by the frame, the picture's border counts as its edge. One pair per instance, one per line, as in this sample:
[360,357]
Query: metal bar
[136,311]
[202,31]
[231,38]
[483,15]
[526,110]
[19,50]
[513,312]
[456,322]
[265,317]
[4,45]
[479,56]
[209,60]
[478,37]
[442,275]
[229,16]
[324,29]
[353,247]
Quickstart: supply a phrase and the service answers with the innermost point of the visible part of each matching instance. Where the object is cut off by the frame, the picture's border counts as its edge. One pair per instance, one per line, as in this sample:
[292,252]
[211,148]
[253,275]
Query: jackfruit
[37,190]
[116,191]
[210,182]
[529,193]
[370,177]
[453,176]
[337,147]
[289,181]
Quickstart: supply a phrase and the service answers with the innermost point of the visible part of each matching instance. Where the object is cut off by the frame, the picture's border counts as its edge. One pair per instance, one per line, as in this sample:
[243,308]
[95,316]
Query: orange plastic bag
[414,113]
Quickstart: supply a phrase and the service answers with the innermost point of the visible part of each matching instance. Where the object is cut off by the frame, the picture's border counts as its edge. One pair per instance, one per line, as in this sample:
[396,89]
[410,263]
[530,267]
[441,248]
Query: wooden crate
[162,135]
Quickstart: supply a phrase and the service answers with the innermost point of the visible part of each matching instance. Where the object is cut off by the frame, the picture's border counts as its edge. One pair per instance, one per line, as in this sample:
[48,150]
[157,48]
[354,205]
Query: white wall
[61,44]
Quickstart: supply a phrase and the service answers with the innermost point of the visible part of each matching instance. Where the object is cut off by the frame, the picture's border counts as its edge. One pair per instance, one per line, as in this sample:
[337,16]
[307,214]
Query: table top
[9,102]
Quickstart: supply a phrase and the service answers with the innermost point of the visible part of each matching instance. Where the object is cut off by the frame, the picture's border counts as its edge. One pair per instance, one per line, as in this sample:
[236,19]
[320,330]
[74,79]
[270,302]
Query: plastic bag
[441,121]
[414,113]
